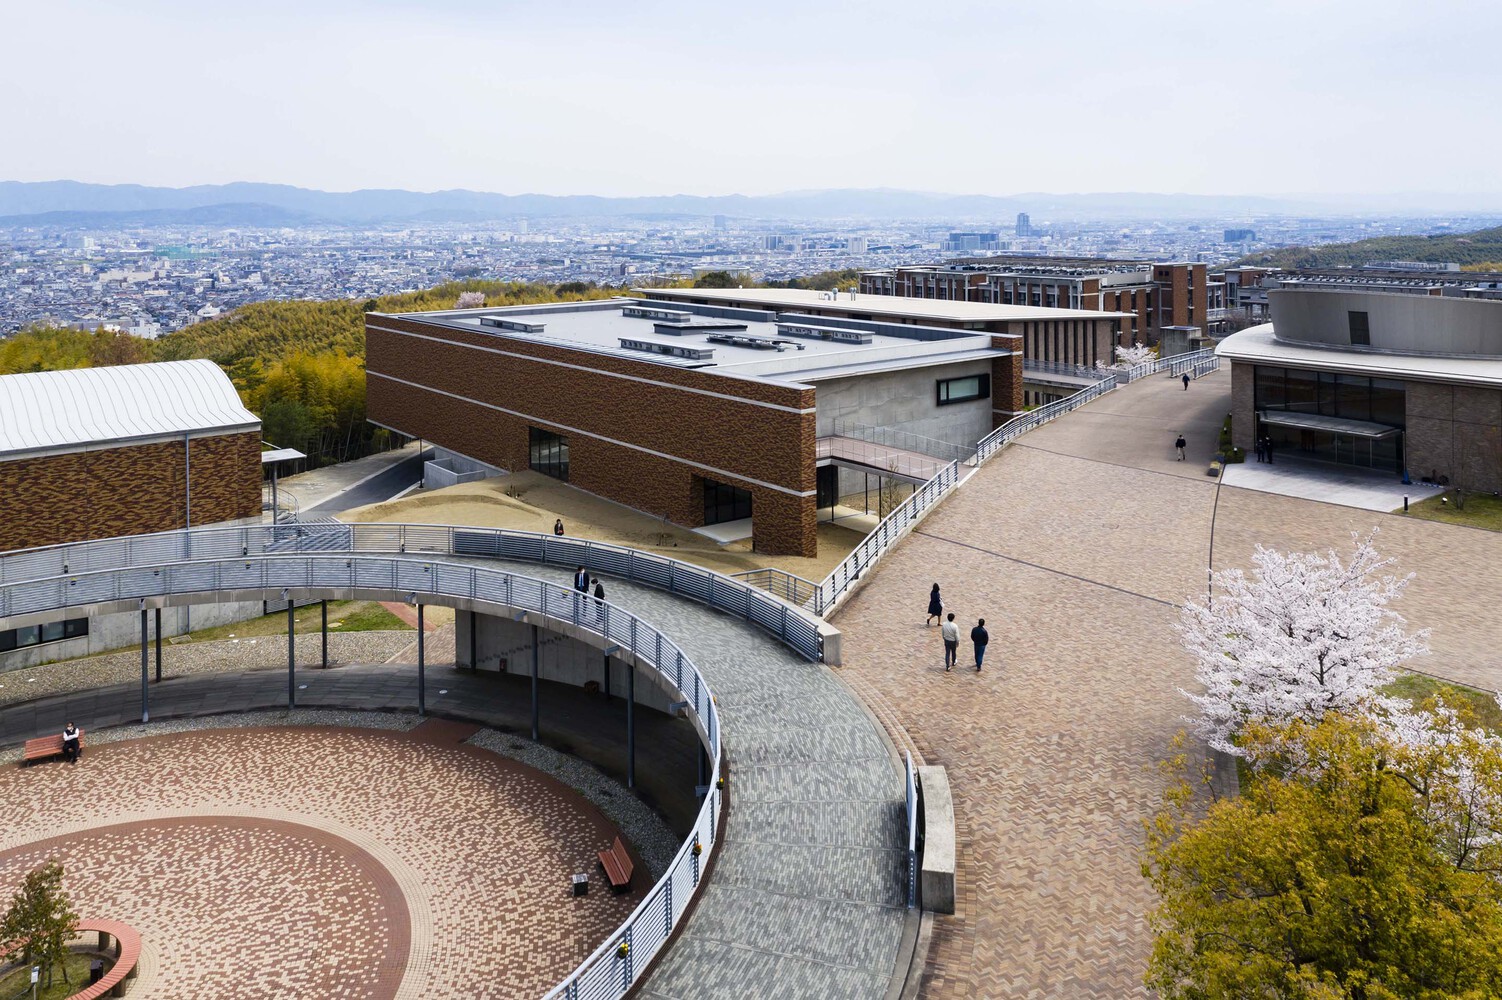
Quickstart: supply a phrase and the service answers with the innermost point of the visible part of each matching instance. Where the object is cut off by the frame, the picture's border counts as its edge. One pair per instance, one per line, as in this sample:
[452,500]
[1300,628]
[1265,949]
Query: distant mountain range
[71,203]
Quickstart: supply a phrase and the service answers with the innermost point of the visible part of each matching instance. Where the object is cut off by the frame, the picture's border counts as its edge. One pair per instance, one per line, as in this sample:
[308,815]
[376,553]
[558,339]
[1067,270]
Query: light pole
[1220,478]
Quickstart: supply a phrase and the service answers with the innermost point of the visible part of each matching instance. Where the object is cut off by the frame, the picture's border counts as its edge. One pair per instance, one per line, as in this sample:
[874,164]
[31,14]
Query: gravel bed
[646,830]
[222,656]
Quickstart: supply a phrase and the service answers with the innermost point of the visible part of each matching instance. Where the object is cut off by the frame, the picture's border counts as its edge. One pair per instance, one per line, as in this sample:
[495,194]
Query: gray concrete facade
[118,631]
[906,401]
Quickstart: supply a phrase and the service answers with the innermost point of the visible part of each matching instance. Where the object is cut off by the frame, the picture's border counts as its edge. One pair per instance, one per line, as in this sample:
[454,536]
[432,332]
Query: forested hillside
[1471,250]
[300,366]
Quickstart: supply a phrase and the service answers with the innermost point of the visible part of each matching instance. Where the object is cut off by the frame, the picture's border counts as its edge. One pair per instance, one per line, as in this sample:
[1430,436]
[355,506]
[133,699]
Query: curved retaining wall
[616,964]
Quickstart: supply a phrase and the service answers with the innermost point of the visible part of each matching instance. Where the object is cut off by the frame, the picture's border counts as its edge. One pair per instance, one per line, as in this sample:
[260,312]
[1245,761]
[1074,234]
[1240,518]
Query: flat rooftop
[772,344]
[876,306]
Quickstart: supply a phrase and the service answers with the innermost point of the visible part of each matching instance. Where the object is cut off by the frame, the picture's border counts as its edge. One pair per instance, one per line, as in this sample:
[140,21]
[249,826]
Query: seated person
[70,743]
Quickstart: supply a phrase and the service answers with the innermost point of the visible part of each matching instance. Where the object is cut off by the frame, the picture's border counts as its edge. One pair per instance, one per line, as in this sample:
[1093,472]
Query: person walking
[1179,446]
[558,526]
[1186,381]
[951,633]
[980,637]
[935,605]
[1267,449]
[599,598]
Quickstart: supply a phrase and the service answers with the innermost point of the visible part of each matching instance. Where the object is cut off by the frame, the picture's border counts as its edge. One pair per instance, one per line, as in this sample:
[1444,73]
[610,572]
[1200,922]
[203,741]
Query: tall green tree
[40,921]
[1335,875]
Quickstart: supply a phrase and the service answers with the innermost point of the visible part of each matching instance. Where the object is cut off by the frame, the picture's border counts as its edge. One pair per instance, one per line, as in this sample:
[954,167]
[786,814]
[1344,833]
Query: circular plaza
[322,861]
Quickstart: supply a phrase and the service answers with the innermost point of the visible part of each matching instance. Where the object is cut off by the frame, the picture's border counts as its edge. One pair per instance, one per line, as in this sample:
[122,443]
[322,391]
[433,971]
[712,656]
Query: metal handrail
[833,588]
[788,622]
[789,586]
[616,964]
[906,440]
[993,442]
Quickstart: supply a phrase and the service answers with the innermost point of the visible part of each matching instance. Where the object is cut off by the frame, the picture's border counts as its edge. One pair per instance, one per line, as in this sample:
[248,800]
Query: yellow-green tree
[39,922]
[1334,875]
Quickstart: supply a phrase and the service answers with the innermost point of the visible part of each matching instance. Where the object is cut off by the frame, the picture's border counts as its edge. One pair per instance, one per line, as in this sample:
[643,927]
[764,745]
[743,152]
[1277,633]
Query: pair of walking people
[949,630]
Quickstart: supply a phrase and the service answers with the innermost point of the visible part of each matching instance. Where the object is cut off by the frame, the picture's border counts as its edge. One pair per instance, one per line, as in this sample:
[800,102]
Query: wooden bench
[617,865]
[44,747]
[127,948]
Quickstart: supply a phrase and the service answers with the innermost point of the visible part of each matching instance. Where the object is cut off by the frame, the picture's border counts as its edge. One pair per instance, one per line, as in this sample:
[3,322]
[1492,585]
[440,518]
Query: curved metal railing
[788,622]
[615,965]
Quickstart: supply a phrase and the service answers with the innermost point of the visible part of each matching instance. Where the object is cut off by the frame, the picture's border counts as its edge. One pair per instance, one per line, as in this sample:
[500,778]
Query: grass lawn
[78,971]
[1417,687]
[1482,510]
[344,616]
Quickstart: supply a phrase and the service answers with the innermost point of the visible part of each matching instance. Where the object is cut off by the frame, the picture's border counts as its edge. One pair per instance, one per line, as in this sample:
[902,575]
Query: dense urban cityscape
[155,280]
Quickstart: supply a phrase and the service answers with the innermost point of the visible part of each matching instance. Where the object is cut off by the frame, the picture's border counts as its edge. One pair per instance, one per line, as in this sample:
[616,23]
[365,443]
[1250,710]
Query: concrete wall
[448,468]
[1456,432]
[503,644]
[123,631]
[1408,324]
[906,401]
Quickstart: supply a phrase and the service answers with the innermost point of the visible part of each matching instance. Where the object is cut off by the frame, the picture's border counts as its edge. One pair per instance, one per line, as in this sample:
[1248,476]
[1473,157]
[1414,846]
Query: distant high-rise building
[1240,235]
[771,242]
[521,225]
[856,244]
[1024,224]
[971,242]
[719,222]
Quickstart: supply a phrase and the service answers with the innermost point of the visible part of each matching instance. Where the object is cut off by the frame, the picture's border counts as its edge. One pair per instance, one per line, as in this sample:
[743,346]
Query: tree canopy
[1335,875]
[39,922]
[1481,246]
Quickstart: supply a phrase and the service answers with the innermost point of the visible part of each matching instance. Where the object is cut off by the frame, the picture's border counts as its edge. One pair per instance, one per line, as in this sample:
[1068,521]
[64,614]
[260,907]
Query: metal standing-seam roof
[65,410]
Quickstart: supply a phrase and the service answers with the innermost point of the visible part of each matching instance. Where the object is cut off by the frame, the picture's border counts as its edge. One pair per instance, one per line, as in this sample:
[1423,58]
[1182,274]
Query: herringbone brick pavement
[1077,545]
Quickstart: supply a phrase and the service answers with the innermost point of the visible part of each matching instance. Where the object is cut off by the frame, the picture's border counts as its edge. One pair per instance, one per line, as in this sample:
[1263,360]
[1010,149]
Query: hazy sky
[757,96]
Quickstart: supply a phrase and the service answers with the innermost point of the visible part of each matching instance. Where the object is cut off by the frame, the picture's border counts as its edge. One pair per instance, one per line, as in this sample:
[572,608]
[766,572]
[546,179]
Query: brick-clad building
[1154,296]
[700,406]
[99,452]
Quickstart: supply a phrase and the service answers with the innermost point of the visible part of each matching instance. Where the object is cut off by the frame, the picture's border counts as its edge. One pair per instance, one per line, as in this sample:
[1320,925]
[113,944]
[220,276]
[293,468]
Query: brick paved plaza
[1076,545]
[321,862]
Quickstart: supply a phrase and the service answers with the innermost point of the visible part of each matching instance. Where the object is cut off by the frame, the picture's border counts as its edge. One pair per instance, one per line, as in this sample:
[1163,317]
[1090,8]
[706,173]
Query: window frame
[982,389]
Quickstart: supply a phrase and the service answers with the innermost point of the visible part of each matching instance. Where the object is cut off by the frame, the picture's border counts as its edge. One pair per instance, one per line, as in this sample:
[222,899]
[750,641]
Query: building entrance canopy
[1330,425]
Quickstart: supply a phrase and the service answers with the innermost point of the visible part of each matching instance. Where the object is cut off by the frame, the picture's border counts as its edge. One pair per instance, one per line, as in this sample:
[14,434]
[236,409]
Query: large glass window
[1361,331]
[548,453]
[963,390]
[725,503]
[35,635]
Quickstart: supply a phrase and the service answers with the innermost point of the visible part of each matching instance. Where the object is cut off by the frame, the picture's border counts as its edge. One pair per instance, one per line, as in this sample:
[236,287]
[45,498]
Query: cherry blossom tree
[471,300]
[1137,354]
[1304,634]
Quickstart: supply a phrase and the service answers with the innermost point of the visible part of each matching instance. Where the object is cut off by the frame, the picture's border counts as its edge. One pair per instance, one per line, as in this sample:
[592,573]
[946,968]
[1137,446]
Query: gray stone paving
[805,897]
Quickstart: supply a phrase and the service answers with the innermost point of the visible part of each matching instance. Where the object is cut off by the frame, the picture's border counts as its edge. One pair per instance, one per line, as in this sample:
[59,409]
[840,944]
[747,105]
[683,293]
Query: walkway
[1338,484]
[804,897]
[1077,543]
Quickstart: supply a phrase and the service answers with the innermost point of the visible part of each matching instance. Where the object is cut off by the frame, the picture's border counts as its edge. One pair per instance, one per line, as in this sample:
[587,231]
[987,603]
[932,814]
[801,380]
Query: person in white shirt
[70,743]
[951,633]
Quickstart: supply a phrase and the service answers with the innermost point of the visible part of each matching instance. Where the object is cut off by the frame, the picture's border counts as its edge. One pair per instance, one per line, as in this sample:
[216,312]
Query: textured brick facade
[639,433]
[130,490]
[1006,382]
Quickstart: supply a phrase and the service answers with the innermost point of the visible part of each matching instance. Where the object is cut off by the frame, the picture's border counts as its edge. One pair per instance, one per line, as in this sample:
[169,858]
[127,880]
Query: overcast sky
[759,96]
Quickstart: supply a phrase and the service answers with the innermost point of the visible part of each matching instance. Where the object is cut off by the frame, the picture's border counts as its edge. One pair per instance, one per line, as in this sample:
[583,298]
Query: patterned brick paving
[328,862]
[1076,546]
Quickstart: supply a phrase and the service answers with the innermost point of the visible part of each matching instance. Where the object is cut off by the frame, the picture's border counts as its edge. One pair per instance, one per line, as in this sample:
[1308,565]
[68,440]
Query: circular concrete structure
[322,861]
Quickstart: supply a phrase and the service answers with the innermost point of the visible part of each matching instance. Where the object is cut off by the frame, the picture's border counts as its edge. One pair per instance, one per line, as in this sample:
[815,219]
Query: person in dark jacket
[1186,381]
[581,581]
[935,605]
[558,526]
[980,637]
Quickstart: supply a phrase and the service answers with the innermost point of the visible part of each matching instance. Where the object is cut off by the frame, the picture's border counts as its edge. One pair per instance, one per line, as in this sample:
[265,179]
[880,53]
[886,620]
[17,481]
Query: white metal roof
[62,410]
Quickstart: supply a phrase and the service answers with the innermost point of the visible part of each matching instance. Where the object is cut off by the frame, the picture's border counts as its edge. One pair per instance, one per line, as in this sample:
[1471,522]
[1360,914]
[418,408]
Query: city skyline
[653,100]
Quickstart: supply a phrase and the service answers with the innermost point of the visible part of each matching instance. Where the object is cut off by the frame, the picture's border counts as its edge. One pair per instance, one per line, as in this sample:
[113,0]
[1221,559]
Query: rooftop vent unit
[679,329]
[687,351]
[514,325]
[759,343]
[834,333]
[655,312]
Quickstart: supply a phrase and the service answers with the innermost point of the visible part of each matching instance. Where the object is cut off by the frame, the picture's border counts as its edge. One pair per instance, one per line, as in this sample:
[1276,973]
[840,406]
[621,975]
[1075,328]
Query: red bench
[617,865]
[127,948]
[44,747]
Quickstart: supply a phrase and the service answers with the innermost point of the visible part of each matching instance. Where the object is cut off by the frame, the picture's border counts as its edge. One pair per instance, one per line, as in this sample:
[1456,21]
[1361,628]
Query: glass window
[548,453]
[725,503]
[1388,402]
[1270,393]
[963,390]
[1302,389]
[52,631]
[35,635]
[1353,397]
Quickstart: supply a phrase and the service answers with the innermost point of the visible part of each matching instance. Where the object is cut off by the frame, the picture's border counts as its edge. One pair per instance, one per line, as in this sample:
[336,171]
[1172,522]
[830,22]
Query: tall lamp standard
[1210,555]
